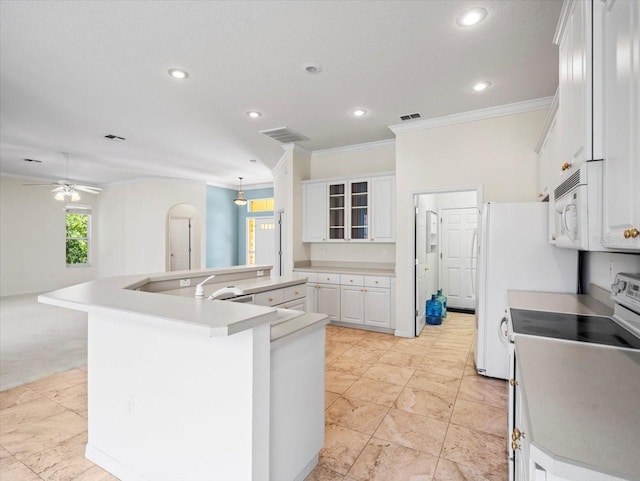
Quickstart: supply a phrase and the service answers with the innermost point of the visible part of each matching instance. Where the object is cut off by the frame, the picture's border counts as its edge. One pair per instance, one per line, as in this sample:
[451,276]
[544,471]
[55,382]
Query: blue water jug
[442,298]
[434,311]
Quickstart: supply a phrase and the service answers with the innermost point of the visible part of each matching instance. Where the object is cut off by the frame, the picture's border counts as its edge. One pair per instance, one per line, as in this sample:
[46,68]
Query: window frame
[79,209]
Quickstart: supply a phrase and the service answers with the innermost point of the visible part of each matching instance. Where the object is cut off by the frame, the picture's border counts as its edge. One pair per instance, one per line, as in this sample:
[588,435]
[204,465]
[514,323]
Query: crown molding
[562,21]
[473,115]
[295,147]
[378,144]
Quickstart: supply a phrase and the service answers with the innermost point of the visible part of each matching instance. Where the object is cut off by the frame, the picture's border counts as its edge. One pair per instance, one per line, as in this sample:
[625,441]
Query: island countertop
[215,318]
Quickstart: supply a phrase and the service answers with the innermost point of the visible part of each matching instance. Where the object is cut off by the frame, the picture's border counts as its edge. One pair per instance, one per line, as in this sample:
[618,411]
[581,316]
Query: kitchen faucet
[226,290]
[200,287]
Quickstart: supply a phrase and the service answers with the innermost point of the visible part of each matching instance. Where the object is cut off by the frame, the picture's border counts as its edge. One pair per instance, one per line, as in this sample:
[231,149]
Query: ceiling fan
[66,190]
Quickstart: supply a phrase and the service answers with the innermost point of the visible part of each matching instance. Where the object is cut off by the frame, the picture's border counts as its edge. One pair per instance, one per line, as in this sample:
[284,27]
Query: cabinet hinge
[441,255]
[417,313]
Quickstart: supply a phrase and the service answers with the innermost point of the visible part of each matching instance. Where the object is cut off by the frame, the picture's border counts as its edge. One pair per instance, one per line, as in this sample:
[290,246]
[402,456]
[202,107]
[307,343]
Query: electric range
[622,330]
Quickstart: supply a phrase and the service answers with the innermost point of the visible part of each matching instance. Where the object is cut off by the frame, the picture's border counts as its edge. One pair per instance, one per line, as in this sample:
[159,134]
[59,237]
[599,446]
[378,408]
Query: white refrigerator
[514,253]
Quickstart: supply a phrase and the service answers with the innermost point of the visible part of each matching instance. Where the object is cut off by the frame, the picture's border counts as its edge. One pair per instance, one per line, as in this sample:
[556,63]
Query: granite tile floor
[396,409]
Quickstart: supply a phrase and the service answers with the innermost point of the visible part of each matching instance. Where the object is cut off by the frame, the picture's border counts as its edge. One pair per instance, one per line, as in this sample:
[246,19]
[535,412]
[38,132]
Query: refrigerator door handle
[474,256]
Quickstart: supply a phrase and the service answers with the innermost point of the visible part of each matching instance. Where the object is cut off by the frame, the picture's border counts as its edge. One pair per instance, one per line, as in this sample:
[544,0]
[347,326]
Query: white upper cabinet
[314,199]
[620,27]
[574,38]
[383,206]
[349,210]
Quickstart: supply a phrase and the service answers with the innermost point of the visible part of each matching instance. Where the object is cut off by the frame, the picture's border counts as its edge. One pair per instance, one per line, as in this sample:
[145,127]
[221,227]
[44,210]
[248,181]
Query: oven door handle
[504,334]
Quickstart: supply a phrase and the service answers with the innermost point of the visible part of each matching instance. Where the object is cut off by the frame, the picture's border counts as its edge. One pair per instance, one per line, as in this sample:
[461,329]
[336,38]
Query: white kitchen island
[191,390]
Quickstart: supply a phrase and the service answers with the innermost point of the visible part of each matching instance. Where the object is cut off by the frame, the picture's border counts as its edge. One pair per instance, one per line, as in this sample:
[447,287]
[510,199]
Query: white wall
[600,268]
[133,221]
[497,154]
[32,239]
[354,160]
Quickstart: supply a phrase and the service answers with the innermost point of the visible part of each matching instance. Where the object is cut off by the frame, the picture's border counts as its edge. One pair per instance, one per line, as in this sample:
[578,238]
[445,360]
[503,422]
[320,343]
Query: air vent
[115,138]
[413,116]
[33,160]
[284,135]
[567,185]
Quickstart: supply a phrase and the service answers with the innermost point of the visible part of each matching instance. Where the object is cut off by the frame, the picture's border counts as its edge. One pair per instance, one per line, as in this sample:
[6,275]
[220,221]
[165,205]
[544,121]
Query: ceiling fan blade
[87,189]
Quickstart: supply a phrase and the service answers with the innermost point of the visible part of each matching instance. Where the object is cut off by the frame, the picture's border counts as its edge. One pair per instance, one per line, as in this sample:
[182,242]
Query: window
[78,219]
[261,205]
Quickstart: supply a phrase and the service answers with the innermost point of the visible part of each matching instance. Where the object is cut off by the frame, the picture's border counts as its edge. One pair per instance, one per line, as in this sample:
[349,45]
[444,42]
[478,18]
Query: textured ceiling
[74,71]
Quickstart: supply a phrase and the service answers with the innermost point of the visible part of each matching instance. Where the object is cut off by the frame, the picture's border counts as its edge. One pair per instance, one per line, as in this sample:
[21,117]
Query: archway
[183,234]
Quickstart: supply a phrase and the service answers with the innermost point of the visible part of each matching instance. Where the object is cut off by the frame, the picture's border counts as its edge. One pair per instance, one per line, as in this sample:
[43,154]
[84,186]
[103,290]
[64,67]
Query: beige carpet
[37,340]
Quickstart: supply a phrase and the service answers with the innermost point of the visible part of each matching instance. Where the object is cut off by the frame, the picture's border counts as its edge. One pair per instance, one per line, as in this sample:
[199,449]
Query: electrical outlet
[260,273]
[612,272]
[185,282]
[385,253]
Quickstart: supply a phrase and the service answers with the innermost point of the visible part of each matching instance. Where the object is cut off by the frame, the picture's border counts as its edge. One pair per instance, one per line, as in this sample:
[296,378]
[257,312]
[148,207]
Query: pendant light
[240,200]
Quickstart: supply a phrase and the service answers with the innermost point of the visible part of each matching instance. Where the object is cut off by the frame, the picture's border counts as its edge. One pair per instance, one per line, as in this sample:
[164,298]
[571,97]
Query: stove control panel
[626,291]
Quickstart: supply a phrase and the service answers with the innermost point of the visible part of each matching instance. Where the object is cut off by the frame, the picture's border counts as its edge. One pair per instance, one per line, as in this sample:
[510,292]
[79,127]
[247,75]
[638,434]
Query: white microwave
[577,209]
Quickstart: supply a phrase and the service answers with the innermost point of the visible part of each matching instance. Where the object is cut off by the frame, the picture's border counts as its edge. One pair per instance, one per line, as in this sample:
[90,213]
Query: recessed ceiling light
[480,86]
[179,74]
[312,68]
[254,114]
[471,17]
[358,112]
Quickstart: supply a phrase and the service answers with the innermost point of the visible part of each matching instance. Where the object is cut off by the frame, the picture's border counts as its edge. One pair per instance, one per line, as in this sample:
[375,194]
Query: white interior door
[457,252]
[265,241]
[421,263]
[180,243]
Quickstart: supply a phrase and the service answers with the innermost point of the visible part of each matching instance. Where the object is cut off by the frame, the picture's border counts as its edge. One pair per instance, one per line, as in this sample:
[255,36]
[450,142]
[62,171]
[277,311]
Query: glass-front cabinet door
[337,208]
[359,210]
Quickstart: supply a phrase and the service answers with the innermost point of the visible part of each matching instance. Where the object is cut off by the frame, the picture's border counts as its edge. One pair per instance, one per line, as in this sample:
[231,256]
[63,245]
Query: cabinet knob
[566,166]
[350,280]
[634,232]
[271,299]
[514,446]
[516,434]
[513,382]
[376,282]
[627,233]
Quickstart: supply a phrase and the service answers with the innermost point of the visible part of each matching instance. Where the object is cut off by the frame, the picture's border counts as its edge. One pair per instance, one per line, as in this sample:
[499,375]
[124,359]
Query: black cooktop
[573,327]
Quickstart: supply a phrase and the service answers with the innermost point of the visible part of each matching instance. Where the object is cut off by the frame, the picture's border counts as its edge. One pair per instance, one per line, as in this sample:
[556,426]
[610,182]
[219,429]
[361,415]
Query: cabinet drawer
[377,281]
[328,278]
[269,298]
[351,280]
[294,292]
[312,277]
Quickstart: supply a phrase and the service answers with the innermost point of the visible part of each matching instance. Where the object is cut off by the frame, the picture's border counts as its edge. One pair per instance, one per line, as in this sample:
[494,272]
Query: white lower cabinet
[323,294]
[377,307]
[350,298]
[362,302]
[352,304]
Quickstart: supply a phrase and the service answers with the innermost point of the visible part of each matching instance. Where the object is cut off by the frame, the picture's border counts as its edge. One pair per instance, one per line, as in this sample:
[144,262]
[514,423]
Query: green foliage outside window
[77,239]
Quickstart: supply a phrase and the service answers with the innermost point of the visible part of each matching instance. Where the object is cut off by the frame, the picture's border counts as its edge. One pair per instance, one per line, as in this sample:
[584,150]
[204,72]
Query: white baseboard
[400,333]
[109,464]
[307,469]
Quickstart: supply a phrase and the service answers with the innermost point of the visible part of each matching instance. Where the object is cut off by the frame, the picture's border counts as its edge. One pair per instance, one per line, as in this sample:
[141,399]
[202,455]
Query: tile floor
[411,409]
[396,409]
